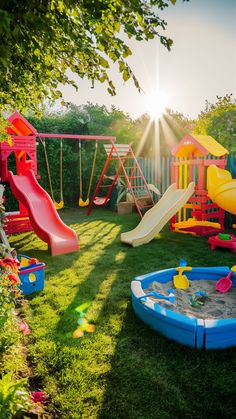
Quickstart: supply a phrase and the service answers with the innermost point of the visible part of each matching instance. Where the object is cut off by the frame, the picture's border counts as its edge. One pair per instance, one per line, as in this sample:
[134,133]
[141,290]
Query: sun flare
[156,103]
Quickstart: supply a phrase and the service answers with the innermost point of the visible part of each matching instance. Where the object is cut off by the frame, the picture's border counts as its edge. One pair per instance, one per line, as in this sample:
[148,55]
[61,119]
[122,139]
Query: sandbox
[210,326]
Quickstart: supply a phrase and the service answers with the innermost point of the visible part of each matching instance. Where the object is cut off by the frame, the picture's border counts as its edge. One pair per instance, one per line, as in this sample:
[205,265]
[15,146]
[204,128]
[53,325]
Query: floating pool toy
[181,281]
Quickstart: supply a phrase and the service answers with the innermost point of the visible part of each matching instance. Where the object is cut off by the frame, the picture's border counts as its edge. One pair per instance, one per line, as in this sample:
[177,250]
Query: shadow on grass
[152,377]
[88,285]
[123,369]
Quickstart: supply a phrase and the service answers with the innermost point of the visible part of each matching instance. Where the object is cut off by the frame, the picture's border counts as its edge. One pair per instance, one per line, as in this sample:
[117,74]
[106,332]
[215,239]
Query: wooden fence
[163,173]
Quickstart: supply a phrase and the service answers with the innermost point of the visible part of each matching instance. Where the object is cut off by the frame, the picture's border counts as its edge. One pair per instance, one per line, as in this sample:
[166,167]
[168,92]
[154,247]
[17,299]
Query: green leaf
[103,62]
[126,75]
[37,52]
[122,66]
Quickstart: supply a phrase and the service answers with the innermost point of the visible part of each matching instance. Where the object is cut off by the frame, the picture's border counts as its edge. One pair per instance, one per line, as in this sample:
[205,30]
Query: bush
[14,398]
[9,290]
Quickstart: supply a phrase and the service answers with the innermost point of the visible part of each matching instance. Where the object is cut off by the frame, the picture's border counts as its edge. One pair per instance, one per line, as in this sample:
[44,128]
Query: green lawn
[123,369]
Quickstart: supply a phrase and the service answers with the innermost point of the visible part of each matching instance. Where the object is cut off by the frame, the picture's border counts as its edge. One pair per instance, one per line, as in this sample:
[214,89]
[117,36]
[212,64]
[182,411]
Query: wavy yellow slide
[155,219]
[221,188]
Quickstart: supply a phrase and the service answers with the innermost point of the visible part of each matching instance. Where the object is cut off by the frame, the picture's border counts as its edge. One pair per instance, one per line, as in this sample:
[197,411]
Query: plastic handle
[181,269]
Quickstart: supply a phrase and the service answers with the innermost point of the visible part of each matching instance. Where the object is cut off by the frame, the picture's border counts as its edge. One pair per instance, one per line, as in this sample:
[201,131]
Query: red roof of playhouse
[20,125]
[197,146]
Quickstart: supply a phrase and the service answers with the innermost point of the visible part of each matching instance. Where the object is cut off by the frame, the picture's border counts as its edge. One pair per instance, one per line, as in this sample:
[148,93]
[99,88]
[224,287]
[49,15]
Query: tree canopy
[41,40]
[219,120]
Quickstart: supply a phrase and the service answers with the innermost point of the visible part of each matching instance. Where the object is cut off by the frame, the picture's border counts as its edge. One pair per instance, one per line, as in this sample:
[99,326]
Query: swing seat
[58,205]
[83,203]
[100,200]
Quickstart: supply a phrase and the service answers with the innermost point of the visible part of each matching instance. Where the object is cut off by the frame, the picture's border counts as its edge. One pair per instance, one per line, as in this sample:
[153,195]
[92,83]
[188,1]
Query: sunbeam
[171,139]
[143,138]
[157,153]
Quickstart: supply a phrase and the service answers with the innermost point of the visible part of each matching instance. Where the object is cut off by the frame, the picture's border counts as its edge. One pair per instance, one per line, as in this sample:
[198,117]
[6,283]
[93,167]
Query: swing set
[81,201]
[24,149]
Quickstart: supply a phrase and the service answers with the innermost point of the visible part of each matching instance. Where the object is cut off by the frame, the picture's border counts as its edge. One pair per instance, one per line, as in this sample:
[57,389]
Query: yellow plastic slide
[155,219]
[221,188]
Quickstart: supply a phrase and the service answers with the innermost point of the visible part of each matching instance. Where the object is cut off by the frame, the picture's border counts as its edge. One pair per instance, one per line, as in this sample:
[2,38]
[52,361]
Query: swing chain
[61,203]
[86,202]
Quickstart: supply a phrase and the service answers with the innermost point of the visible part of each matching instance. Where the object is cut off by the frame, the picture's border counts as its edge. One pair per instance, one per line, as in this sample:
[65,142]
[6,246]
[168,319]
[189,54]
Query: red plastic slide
[43,216]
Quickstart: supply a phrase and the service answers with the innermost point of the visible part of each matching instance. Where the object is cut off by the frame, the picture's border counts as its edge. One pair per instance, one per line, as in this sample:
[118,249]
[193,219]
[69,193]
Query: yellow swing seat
[83,203]
[58,205]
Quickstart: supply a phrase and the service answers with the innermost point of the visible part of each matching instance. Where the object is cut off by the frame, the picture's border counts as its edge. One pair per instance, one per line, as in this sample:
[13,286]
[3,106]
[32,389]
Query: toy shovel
[181,281]
[224,284]
[170,297]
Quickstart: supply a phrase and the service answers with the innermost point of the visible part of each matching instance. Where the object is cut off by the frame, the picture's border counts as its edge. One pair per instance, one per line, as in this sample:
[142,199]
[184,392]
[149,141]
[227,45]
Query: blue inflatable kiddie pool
[188,330]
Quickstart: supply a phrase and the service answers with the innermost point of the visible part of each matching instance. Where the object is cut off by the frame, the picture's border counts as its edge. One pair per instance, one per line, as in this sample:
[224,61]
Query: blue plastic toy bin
[31,275]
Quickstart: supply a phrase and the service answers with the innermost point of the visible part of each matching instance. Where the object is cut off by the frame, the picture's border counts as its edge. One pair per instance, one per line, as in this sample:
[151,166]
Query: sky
[200,66]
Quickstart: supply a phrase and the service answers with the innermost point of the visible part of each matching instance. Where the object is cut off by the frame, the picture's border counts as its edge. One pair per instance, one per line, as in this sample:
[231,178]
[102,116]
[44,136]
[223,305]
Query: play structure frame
[192,202]
[37,210]
[128,168]
[24,137]
[199,216]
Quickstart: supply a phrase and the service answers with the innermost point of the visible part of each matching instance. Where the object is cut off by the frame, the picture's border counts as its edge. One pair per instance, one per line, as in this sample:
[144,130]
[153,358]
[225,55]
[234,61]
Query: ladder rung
[119,158]
[145,206]
[139,187]
[105,186]
[134,177]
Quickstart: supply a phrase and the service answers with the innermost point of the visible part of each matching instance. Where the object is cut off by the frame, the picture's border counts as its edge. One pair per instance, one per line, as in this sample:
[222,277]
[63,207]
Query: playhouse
[200,192]
[193,155]
[24,149]
[36,209]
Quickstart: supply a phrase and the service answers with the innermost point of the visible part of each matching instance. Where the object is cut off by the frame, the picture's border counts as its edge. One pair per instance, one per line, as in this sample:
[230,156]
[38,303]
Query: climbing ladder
[128,169]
